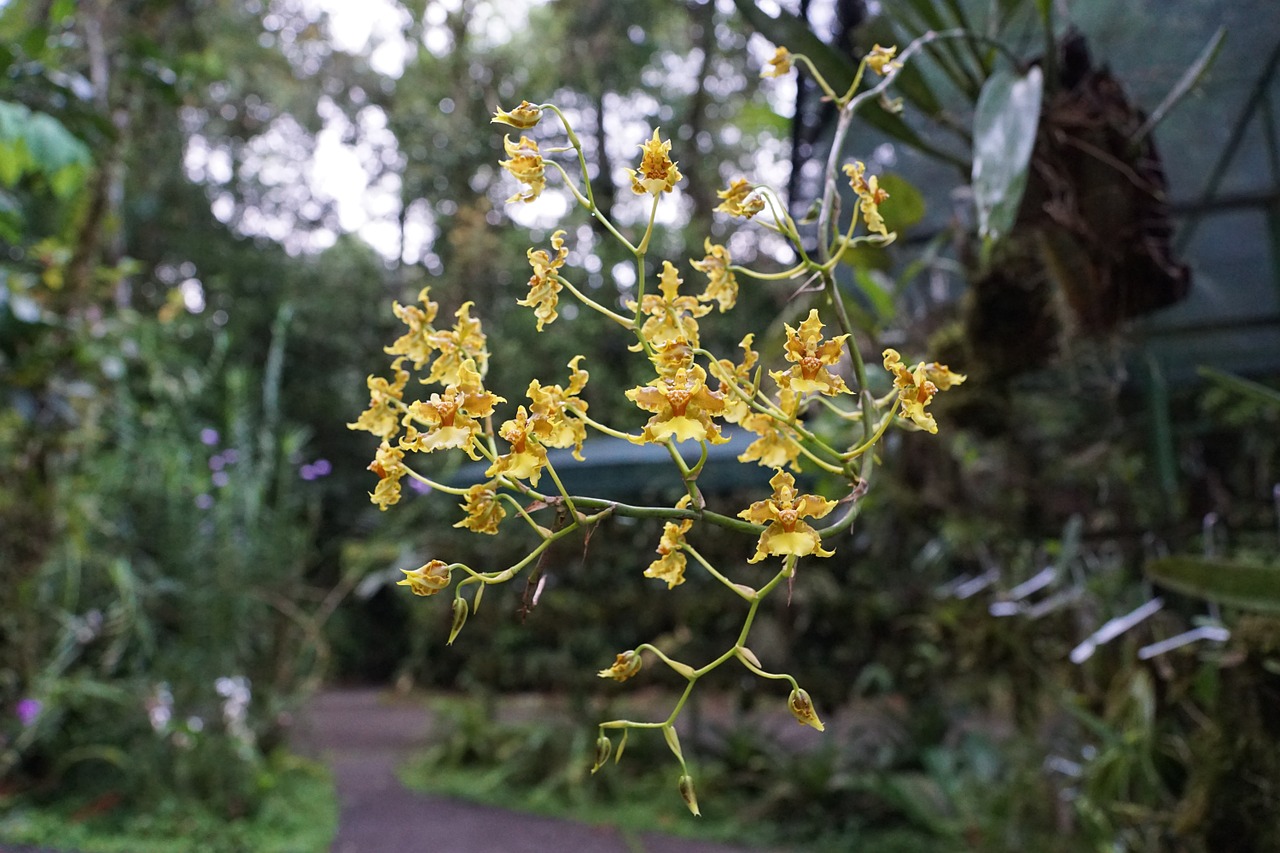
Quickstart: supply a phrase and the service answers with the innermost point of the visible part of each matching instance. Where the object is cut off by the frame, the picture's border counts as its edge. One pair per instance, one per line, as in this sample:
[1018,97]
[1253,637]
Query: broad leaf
[1004,135]
[1249,586]
[905,205]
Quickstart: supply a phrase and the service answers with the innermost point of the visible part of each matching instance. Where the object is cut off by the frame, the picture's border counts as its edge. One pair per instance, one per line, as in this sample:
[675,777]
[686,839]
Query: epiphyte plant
[692,396]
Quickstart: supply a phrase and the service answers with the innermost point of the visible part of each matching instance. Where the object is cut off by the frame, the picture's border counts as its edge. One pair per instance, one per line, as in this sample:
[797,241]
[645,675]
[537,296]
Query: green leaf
[905,205]
[881,299]
[1249,586]
[1004,135]
[1260,393]
[865,256]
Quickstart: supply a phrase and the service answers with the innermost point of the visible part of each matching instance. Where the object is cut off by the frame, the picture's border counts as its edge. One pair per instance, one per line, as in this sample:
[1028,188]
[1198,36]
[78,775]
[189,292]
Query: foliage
[299,816]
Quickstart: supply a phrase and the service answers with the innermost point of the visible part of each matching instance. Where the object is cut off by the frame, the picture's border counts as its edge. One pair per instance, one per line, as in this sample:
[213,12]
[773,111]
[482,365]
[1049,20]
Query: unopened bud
[460,611]
[688,794]
[802,708]
[522,117]
[604,748]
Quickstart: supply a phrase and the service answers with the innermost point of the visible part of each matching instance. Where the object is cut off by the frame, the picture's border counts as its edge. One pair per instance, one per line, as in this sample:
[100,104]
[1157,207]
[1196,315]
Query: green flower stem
[738,589]
[682,668]
[508,573]
[686,473]
[776,676]
[520,510]
[837,411]
[817,78]
[769,276]
[668,513]
[596,425]
[592,304]
[702,460]
[435,487]
[568,500]
[825,466]
[643,248]
[869,443]
[851,514]
[784,224]
[589,202]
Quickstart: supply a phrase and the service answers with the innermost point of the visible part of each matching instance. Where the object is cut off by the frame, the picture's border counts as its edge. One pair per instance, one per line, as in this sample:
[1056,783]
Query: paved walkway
[364,734]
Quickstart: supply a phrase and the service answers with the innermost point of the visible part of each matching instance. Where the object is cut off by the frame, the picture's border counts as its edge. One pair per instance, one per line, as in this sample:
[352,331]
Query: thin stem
[737,588]
[523,513]
[435,487]
[599,427]
[592,304]
[563,493]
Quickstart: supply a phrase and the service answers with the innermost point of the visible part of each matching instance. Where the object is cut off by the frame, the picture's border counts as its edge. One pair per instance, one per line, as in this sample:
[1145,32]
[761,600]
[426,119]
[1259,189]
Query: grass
[298,815]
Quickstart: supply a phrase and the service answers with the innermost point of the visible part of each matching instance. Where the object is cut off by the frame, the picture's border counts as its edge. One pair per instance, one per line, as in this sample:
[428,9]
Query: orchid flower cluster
[693,396]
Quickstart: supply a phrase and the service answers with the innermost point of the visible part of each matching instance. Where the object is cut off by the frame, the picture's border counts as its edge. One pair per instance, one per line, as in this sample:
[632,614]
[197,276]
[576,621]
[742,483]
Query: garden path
[364,734]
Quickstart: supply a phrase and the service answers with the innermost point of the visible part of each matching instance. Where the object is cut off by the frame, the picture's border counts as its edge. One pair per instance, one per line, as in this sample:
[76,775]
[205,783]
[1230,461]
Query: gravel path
[365,734]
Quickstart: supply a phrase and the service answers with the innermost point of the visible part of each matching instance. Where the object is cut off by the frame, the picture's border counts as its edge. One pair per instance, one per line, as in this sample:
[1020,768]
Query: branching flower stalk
[693,396]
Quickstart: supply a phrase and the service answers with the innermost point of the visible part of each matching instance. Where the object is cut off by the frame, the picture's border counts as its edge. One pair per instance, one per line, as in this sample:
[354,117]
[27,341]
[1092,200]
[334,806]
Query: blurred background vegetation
[207,206]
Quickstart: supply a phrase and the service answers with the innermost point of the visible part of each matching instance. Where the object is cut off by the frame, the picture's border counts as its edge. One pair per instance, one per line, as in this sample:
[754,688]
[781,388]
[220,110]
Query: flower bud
[624,666]
[688,794]
[604,748]
[428,579]
[522,117]
[460,612]
[801,707]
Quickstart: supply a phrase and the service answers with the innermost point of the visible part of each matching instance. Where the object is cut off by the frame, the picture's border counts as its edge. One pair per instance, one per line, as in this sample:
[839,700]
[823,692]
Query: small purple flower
[220,478]
[208,436]
[418,486]
[315,470]
[204,501]
[28,710]
[217,462]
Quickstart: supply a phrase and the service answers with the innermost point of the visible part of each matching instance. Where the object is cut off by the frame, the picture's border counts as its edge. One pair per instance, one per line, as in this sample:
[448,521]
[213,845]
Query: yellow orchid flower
[416,344]
[917,387]
[625,666]
[740,199]
[484,511]
[812,356]
[881,60]
[522,117]
[466,341]
[787,533]
[870,196]
[553,424]
[526,166]
[657,173]
[452,418]
[544,289]
[779,64]
[722,286]
[671,561]
[388,464]
[670,316]
[683,407]
[737,409]
[527,457]
[382,418]
[428,579]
